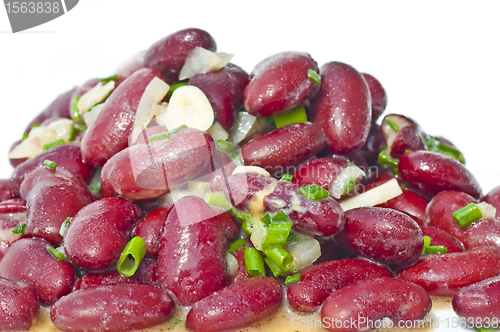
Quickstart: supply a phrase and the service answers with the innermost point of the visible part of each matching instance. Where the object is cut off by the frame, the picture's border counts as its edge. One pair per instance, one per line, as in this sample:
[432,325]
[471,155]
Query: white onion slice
[251,169]
[232,264]
[488,211]
[340,184]
[374,196]
[94,96]
[90,117]
[218,132]
[305,251]
[201,61]
[259,232]
[246,125]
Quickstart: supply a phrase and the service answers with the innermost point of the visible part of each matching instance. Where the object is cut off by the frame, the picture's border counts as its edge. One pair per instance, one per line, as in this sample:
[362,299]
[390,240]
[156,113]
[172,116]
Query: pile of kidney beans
[371,262]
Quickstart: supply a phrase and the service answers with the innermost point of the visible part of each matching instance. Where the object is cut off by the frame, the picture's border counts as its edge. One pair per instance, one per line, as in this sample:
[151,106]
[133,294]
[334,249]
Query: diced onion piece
[94,96]
[90,116]
[345,181]
[201,61]
[160,109]
[246,125]
[305,250]
[199,188]
[374,196]
[487,210]
[218,132]
[8,236]
[251,169]
[259,232]
[232,264]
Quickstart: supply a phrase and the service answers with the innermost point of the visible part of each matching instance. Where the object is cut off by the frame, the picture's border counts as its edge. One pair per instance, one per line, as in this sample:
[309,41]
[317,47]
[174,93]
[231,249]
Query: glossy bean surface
[228,224]
[242,188]
[479,302]
[149,229]
[409,202]
[321,171]
[442,238]
[378,96]
[374,143]
[19,305]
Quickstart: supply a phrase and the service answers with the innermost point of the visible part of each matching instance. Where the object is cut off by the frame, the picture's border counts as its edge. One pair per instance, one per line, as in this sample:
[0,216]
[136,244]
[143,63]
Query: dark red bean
[479,302]
[279,83]
[378,96]
[330,251]
[284,148]
[99,232]
[373,300]
[224,90]
[14,205]
[243,187]
[144,136]
[385,235]
[113,308]
[342,107]
[220,168]
[8,222]
[59,108]
[441,238]
[432,172]
[19,305]
[29,260]
[493,198]
[5,190]
[446,274]
[16,162]
[51,197]
[374,143]
[410,203]
[169,53]
[228,224]
[109,133]
[409,135]
[192,253]
[319,281]
[149,229]
[321,171]
[236,306]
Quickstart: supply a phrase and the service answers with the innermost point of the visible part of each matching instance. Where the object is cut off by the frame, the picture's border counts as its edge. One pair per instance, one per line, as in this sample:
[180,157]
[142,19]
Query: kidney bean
[279,83]
[432,172]
[446,274]
[373,300]
[169,53]
[67,156]
[192,253]
[319,281]
[493,198]
[378,96]
[59,108]
[228,224]
[479,302]
[284,148]
[109,133]
[408,202]
[409,135]
[16,162]
[385,235]
[144,136]
[29,260]
[441,238]
[14,205]
[242,188]
[220,168]
[149,229]
[146,171]
[19,305]
[342,107]
[5,190]
[8,222]
[236,306]
[330,251]
[113,308]
[374,143]
[224,90]
[321,171]
[147,205]
[51,197]
[97,235]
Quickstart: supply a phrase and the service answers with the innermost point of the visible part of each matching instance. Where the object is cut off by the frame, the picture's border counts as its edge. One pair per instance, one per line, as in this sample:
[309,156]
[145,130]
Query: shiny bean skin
[110,131]
[191,260]
[398,300]
[408,202]
[14,205]
[330,251]
[5,190]
[493,198]
[169,53]
[321,171]
[224,90]
[19,305]
[236,306]
[378,96]
[113,308]
[144,171]
[446,274]
[409,135]
[319,281]
[59,108]
[220,168]
[374,143]
[342,108]
[51,197]
[441,238]
[29,260]
[384,235]
[242,188]
[432,172]
[479,302]
[149,229]
[284,148]
[17,161]
[144,136]
[8,222]
[279,83]
[99,232]
[228,224]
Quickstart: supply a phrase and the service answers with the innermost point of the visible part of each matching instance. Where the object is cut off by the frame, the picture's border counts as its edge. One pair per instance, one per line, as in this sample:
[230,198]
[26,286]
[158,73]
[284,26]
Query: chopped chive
[392,124]
[36,125]
[174,87]
[177,129]
[287,177]
[281,217]
[50,164]
[95,188]
[237,159]
[297,115]
[254,263]
[51,145]
[131,257]
[314,76]
[235,246]
[72,133]
[467,215]
[80,127]
[274,269]
[440,147]
[435,250]
[386,160]
[293,279]
[313,192]
[108,79]
[64,226]
[486,329]
[277,234]
[218,200]
[19,229]
[280,257]
[56,253]
[175,323]
[25,136]
[291,237]
[242,217]
[224,146]
[75,112]
[427,241]
[247,226]
[159,136]
[266,219]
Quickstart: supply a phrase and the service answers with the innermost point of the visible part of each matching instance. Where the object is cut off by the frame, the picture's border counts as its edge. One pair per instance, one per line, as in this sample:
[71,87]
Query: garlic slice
[251,169]
[374,196]
[201,61]
[94,96]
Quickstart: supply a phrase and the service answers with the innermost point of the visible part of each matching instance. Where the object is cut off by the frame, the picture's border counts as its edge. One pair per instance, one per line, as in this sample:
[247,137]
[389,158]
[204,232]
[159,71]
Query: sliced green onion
[237,159]
[19,229]
[50,164]
[218,200]
[254,263]
[486,329]
[392,124]
[246,223]
[386,160]
[224,146]
[437,146]
[36,125]
[277,234]
[427,241]
[64,226]
[25,136]
[314,76]
[274,269]
[313,192]
[297,115]
[280,257]
[235,246]
[80,127]
[131,257]
[435,250]
[291,237]
[108,79]
[159,136]
[75,112]
[287,177]
[266,219]
[72,133]
[51,145]
[56,253]
[293,279]
[174,87]
[467,215]
[175,323]
[281,217]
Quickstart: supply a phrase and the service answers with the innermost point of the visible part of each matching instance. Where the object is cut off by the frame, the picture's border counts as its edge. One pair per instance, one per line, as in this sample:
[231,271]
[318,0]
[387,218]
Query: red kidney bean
[432,172]
[373,300]
[446,274]
[146,171]
[279,83]
[442,238]
[14,205]
[16,162]
[169,53]
[59,108]
[29,260]
[8,222]
[374,143]
[408,202]
[220,168]
[149,229]
[97,235]
[284,148]
[109,133]
[409,135]
[5,190]
[493,198]
[479,302]
[67,156]
[385,235]
[342,107]
[378,96]
[144,136]
[51,197]
[113,308]
[236,306]
[19,305]
[321,171]
[147,205]
[228,224]
[192,253]
[330,251]
[224,90]
[319,281]
[242,188]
